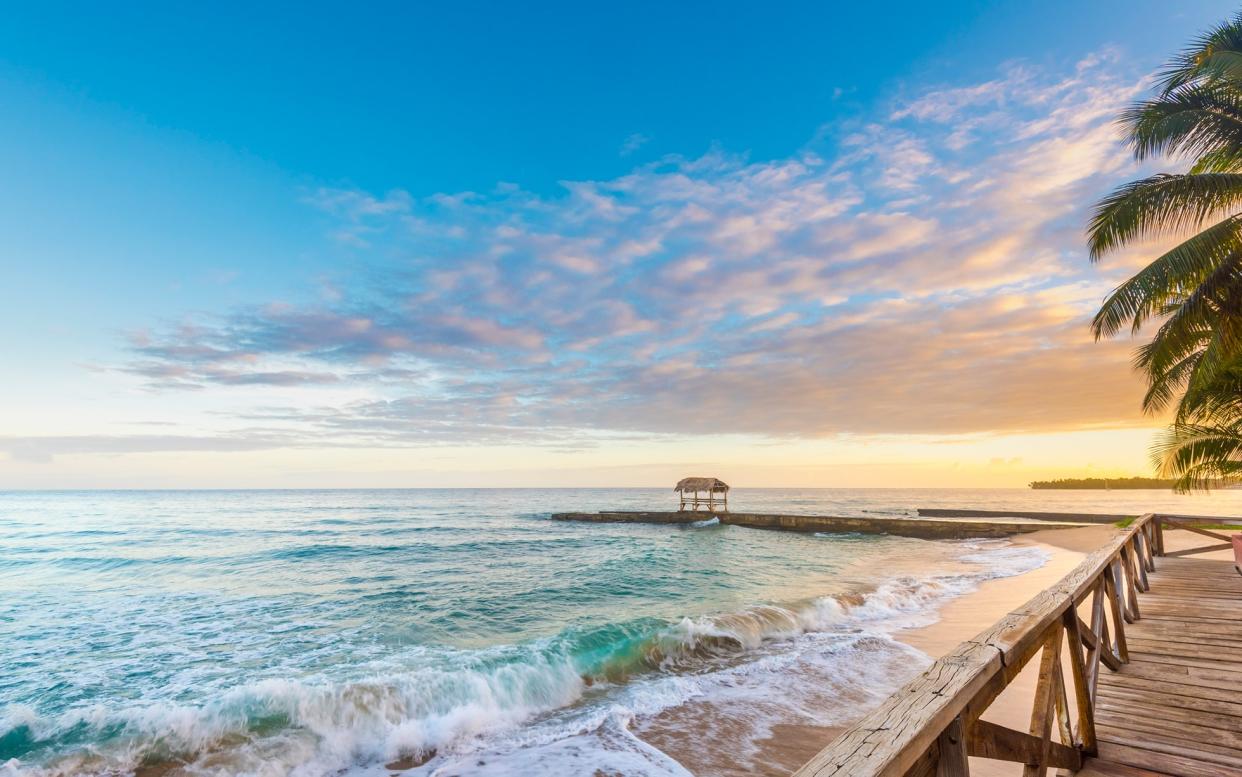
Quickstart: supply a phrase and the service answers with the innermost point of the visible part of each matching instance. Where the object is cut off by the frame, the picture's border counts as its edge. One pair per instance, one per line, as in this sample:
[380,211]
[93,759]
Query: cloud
[633,143]
[919,273]
[44,448]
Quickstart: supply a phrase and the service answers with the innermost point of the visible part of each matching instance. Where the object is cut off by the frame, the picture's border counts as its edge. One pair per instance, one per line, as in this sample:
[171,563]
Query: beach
[791,744]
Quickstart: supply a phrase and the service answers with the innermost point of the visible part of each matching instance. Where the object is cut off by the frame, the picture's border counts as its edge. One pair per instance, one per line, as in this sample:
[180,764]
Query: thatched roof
[701,484]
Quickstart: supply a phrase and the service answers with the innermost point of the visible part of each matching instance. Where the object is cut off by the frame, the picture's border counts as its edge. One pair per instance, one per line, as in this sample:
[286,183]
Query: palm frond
[1191,121]
[1214,56]
[1159,204]
[1160,287]
[1199,457]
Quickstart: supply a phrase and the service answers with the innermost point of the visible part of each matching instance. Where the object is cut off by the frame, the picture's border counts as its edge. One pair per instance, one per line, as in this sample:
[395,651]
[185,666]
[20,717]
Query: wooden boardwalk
[1139,656]
[1176,707]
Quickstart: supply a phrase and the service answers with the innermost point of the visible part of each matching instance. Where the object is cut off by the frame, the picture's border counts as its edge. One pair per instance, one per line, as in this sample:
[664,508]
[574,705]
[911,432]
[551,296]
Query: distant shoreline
[1100,484]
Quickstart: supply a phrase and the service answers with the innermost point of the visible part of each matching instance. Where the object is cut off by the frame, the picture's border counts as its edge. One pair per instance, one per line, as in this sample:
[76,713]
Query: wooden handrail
[931,725]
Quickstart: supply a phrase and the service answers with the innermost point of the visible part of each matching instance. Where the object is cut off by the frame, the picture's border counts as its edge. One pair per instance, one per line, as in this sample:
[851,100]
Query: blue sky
[409,245]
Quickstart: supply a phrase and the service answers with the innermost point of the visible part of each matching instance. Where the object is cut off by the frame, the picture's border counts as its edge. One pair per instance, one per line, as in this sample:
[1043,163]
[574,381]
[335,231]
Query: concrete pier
[923,528]
[936,512]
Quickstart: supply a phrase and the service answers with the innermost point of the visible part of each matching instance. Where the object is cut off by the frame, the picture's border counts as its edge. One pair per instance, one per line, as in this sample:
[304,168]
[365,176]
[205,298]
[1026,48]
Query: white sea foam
[820,663]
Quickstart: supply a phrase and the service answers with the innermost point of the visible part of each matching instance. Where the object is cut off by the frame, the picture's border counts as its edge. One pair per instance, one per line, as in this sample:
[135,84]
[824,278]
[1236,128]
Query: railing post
[1132,585]
[1112,580]
[1149,541]
[1084,695]
[1044,709]
[952,760]
[1142,551]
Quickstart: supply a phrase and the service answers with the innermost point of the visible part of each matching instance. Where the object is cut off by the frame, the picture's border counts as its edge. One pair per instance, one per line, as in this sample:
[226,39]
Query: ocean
[461,632]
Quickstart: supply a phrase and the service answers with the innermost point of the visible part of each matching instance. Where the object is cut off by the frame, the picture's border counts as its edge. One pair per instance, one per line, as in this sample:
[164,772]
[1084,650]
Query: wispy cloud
[634,142]
[919,273]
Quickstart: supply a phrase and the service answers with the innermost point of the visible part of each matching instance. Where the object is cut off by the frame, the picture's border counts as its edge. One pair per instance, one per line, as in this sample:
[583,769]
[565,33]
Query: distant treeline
[1102,483]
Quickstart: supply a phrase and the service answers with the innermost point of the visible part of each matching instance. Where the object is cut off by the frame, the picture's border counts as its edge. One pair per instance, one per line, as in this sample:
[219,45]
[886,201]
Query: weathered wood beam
[1204,549]
[1000,743]
[1084,697]
[1112,584]
[1092,641]
[1044,709]
[1141,552]
[952,761]
[894,737]
[1204,532]
[1131,589]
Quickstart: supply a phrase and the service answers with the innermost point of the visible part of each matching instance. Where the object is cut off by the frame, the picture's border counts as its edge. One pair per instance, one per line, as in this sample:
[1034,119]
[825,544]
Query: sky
[566,244]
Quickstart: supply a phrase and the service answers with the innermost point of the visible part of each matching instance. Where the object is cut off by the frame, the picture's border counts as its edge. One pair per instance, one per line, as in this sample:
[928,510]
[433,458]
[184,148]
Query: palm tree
[1195,289]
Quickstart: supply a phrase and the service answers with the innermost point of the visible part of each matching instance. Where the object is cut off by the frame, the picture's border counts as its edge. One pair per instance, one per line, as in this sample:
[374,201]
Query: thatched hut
[690,489]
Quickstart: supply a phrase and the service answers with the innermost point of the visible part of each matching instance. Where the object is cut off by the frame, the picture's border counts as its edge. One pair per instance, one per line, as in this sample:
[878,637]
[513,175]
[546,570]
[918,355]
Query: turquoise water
[442,632]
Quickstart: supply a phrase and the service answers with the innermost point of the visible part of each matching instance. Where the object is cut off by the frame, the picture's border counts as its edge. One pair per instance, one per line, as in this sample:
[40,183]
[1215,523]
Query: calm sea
[458,631]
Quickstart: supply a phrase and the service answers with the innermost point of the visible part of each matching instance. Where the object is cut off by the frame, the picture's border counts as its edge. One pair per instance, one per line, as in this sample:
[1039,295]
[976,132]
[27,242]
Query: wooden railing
[932,725]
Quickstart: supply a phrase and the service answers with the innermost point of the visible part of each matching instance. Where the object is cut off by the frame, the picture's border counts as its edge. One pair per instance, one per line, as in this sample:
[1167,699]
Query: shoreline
[971,613]
[959,619]
[791,744]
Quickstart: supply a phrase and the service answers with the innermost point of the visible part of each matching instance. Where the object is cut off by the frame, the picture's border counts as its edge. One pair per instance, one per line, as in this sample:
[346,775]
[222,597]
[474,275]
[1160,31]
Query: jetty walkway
[1139,675]
[924,528]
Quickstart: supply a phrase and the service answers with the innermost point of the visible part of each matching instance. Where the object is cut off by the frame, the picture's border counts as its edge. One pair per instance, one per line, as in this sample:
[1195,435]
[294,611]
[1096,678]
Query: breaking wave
[528,707]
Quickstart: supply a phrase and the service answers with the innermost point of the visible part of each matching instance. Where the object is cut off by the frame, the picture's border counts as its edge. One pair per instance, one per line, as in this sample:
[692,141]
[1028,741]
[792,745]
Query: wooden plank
[1212,595]
[1135,680]
[1181,674]
[1203,610]
[1192,619]
[1167,763]
[1098,768]
[1174,696]
[1216,597]
[1165,713]
[1221,634]
[1215,671]
[1187,654]
[1154,743]
[1189,569]
[1186,739]
[1203,584]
